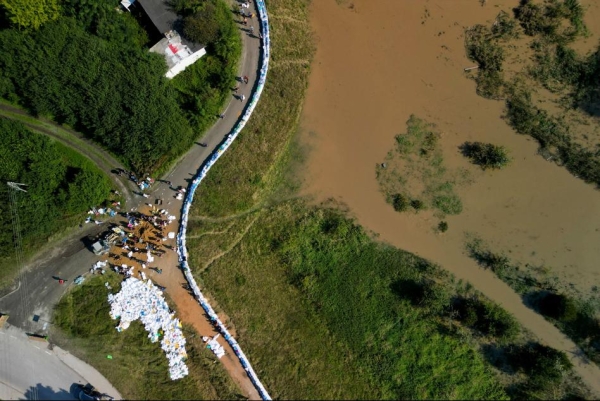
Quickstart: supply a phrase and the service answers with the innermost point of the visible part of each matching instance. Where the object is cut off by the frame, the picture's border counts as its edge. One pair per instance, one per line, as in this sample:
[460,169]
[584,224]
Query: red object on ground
[173,48]
[61,281]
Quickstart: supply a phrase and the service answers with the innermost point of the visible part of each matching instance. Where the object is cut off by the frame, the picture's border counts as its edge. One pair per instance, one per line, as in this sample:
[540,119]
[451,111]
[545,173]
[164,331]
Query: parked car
[89,393]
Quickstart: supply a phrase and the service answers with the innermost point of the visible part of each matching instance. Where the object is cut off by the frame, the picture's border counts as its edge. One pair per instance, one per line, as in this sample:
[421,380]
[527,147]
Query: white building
[178,52]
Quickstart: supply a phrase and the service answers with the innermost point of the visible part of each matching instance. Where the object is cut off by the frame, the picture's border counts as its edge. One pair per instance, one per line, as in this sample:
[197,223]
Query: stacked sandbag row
[181,243]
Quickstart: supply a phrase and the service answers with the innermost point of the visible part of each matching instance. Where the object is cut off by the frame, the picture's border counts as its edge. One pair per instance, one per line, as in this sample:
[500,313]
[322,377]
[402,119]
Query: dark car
[89,393]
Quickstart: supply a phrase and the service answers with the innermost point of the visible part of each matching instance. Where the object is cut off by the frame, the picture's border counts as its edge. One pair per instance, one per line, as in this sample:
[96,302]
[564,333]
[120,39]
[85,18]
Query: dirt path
[187,307]
[68,137]
[378,62]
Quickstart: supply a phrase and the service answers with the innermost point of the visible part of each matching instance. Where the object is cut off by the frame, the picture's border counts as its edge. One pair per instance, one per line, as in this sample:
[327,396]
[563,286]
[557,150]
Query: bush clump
[558,306]
[486,317]
[486,155]
[400,202]
[443,226]
[449,204]
[417,204]
[544,365]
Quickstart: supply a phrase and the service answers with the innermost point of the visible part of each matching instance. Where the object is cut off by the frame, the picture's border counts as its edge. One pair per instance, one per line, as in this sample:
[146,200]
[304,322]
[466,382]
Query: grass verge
[138,368]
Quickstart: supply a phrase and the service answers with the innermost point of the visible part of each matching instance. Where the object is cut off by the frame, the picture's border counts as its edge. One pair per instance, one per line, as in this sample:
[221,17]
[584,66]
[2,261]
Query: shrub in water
[400,202]
[486,155]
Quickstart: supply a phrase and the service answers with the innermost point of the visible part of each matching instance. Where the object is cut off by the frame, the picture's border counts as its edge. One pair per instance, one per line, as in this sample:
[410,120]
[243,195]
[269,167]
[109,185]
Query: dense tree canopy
[31,14]
[111,90]
[60,184]
[202,26]
[89,69]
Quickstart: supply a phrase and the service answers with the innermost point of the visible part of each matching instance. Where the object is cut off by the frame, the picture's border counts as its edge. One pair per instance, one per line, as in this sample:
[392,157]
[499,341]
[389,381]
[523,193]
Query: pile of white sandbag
[142,300]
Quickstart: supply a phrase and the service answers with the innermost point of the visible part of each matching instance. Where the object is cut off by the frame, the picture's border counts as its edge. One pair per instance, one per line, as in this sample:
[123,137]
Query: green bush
[443,226]
[417,204]
[486,317]
[486,155]
[400,202]
[202,27]
[26,14]
[544,365]
[449,204]
[558,306]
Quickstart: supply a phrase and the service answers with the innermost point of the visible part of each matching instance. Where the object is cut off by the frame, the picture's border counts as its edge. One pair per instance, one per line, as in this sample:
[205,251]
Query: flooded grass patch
[413,175]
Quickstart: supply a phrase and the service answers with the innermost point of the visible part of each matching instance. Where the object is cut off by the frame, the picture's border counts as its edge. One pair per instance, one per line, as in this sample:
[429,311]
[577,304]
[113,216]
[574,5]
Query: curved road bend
[29,370]
[71,258]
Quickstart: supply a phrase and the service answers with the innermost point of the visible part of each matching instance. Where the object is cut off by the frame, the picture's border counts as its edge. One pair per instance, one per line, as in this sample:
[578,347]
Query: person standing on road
[242,98]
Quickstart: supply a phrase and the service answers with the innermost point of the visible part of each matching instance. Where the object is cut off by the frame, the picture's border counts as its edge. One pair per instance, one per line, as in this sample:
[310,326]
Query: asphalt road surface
[29,370]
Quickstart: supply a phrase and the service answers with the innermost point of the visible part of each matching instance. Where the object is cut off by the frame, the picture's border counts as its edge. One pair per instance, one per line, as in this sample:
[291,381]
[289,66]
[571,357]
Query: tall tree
[31,14]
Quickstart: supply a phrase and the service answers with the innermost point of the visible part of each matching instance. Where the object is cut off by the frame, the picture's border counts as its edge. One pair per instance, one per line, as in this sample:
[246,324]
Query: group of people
[146,236]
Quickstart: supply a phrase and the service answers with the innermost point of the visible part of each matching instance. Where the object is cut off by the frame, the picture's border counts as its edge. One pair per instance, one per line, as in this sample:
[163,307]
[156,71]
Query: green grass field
[324,312]
[138,368]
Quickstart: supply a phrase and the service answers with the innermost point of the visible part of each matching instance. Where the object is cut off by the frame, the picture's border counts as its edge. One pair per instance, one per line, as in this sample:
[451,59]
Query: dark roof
[161,15]
[165,19]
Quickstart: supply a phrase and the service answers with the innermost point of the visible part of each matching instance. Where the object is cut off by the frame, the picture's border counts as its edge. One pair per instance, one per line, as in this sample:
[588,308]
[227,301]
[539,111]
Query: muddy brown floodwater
[378,62]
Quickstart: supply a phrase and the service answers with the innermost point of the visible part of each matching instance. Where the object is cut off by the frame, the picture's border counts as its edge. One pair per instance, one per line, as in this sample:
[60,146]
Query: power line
[14,189]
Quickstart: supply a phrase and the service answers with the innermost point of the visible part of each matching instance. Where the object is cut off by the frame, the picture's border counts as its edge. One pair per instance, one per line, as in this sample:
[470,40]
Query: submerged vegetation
[552,25]
[413,175]
[573,314]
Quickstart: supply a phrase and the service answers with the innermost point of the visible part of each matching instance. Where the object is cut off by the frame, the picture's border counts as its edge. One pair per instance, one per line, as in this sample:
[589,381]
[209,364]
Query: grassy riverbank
[571,311]
[323,311]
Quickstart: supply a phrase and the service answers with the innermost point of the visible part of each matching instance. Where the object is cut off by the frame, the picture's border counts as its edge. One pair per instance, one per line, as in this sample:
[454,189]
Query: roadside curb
[90,374]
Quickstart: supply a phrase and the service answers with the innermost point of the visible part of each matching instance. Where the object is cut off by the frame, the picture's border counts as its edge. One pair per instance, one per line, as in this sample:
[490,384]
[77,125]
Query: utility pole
[14,188]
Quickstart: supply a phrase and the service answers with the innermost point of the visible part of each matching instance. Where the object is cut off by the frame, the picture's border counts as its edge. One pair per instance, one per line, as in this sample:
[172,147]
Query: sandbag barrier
[181,243]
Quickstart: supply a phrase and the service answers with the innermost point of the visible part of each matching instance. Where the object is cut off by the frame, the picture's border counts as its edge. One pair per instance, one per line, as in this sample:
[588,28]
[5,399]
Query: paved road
[29,370]
[37,291]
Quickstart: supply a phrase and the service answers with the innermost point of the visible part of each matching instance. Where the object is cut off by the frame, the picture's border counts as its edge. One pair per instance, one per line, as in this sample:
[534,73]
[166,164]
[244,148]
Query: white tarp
[142,300]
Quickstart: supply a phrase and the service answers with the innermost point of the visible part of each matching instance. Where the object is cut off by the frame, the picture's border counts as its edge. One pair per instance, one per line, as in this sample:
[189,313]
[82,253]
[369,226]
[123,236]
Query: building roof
[165,19]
